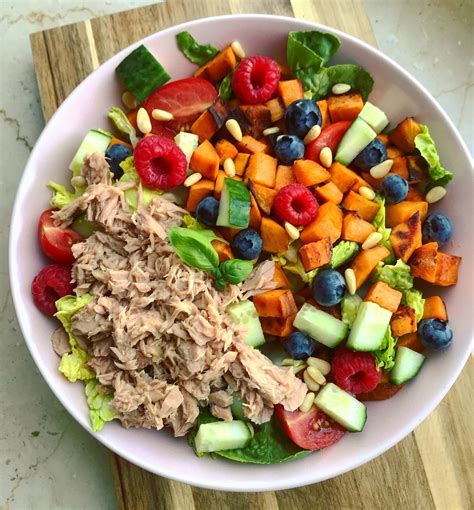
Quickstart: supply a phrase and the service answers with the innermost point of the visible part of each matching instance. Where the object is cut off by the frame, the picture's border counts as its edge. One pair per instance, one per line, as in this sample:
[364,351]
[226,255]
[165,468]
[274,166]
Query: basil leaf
[220,280]
[194,248]
[355,76]
[304,46]
[225,87]
[236,270]
[197,53]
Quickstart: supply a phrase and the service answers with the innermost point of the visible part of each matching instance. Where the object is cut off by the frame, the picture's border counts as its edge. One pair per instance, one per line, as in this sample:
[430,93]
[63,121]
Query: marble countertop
[47,461]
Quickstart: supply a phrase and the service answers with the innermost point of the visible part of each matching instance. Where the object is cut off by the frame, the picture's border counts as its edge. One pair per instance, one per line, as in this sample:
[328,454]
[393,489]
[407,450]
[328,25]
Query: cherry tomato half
[330,137]
[56,242]
[313,430]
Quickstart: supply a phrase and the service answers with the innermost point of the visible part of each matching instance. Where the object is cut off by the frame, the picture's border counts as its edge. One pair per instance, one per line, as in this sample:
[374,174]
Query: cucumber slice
[342,407]
[355,139]
[222,435]
[407,365]
[187,142]
[374,117]
[349,308]
[245,314]
[234,206]
[369,327]
[141,73]
[94,141]
[321,326]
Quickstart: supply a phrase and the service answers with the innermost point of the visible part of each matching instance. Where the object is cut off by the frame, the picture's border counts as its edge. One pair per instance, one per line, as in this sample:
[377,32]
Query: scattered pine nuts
[163,115]
[351,281]
[310,382]
[325,157]
[340,88]
[312,134]
[435,194]
[143,121]
[292,231]
[382,169]
[78,181]
[316,375]
[287,362]
[238,50]
[192,179]
[229,167]
[372,240]
[129,100]
[298,367]
[367,193]
[271,131]
[307,402]
[234,129]
[322,365]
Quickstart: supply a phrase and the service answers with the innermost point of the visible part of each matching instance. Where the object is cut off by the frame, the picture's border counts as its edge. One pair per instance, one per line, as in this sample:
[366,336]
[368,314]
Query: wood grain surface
[431,468]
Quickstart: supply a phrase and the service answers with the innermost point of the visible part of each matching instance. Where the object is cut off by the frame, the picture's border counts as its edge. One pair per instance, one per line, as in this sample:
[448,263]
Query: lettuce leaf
[349,308]
[197,53]
[385,356]
[379,223]
[100,410]
[439,176]
[61,195]
[291,262]
[343,252]
[414,299]
[121,122]
[398,276]
[192,223]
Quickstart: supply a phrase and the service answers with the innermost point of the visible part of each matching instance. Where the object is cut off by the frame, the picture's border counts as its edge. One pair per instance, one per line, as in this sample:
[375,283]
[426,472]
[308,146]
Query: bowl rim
[270,485]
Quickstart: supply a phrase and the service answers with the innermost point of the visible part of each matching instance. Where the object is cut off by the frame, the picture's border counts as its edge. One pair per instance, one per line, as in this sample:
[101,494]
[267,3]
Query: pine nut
[271,131]
[367,193]
[435,194]
[372,240]
[292,231]
[287,362]
[234,129]
[322,365]
[307,402]
[340,88]
[78,181]
[280,137]
[163,115]
[229,167]
[129,100]
[382,169]
[316,375]
[143,121]
[351,282]
[238,50]
[192,179]
[325,157]
[298,367]
[312,134]
[310,382]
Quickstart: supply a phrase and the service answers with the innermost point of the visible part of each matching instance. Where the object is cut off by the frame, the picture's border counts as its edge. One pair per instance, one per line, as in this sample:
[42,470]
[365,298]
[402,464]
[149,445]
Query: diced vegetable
[258,117]
[284,176]
[328,223]
[187,142]
[349,307]
[274,236]
[234,206]
[250,145]
[280,278]
[447,268]
[366,208]
[406,237]
[407,365]
[261,169]
[219,184]
[376,119]
[309,173]
[435,308]
[345,106]
[277,111]
[403,321]
[205,126]
[384,296]
[355,139]
[205,160]
[412,341]
[275,303]
[240,162]
[255,214]
[223,250]
[399,213]
[244,314]
[354,228]
[222,435]
[403,136]
[424,261]
[290,90]
[316,254]
[197,192]
[366,261]
[94,141]
[278,327]
[263,196]
[369,327]
[329,192]
[219,67]
[226,149]
[323,106]
[345,178]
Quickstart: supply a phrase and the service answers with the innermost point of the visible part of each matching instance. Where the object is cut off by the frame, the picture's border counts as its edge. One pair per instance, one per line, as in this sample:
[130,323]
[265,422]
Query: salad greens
[197,53]
[61,195]
[385,356]
[99,405]
[121,122]
[398,276]
[225,87]
[343,252]
[379,223]
[130,174]
[414,299]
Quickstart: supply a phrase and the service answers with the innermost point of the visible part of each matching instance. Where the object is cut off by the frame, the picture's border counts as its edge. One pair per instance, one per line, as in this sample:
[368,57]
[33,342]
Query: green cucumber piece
[94,141]
[349,308]
[141,73]
[222,435]
[355,139]
[342,407]
[407,365]
[245,314]
[321,326]
[369,327]
[234,206]
[83,226]
[374,117]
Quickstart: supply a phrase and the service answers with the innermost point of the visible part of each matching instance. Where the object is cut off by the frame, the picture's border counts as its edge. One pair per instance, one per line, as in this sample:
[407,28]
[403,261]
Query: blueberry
[299,345]
[301,116]
[206,211]
[328,287]
[437,228]
[435,334]
[115,154]
[247,244]
[288,148]
[395,188]
[374,154]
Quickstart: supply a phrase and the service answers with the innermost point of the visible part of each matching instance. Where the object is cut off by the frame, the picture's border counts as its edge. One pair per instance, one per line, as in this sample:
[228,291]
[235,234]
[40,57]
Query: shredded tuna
[60,341]
[157,332]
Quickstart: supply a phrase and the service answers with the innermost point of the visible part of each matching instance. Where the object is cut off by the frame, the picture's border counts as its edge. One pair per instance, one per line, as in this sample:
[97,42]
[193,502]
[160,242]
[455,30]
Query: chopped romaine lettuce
[121,122]
[343,252]
[99,405]
[414,299]
[349,307]
[61,195]
[291,262]
[397,276]
[197,53]
[439,176]
[385,356]
[379,223]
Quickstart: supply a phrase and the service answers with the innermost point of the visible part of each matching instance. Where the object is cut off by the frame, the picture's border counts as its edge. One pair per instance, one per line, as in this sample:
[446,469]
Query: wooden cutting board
[428,469]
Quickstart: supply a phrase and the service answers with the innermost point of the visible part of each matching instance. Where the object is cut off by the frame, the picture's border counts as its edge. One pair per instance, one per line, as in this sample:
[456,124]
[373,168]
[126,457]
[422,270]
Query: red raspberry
[355,372]
[50,284]
[295,203]
[255,79]
[160,163]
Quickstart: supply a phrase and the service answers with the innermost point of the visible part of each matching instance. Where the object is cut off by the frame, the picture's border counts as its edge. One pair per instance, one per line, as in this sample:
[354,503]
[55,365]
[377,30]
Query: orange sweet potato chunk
[261,169]
[197,192]
[366,208]
[447,268]
[226,149]
[250,145]
[223,250]
[240,162]
[329,192]
[279,277]
[383,295]
[328,223]
[424,261]
[274,236]
[434,308]
[345,106]
[405,238]
[309,173]
[290,90]
[354,228]
[366,261]
[403,321]
[403,136]
[345,178]
[276,326]
[221,65]
[412,341]
[284,176]
[316,254]
[323,106]
[399,213]
[275,303]
[205,160]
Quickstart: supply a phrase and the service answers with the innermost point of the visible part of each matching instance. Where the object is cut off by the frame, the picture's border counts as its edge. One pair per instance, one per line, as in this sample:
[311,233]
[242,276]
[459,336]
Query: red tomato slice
[330,137]
[56,242]
[185,99]
[313,430]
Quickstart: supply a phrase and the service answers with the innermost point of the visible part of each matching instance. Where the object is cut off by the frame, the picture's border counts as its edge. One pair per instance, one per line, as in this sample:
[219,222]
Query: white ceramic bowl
[399,95]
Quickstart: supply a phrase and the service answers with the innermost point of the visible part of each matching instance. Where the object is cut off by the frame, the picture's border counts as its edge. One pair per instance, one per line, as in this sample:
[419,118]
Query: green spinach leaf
[197,53]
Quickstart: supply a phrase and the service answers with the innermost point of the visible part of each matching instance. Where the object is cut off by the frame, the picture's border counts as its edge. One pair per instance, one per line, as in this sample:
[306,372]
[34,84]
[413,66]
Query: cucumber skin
[234,211]
[78,159]
[352,344]
[220,424]
[398,380]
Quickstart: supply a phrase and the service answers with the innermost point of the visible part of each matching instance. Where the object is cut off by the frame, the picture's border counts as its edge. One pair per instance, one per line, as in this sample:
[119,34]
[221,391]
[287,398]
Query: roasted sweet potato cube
[284,176]
[221,65]
[275,106]
[403,136]
[329,192]
[316,254]
[354,228]
[290,90]
[274,236]
[328,223]
[366,261]
[275,303]
[345,178]
[261,169]
[255,214]
[323,106]
[417,169]
[279,277]
[399,213]
[223,250]
[226,149]
[384,296]
[406,237]
[263,196]
[394,152]
[240,162]
[434,308]
[403,321]
[424,261]
[250,145]
[375,183]
[204,126]
[400,167]
[258,117]
[345,106]
[309,173]
[412,341]
[205,160]
[447,268]
[204,188]
[276,326]
[366,208]
[383,138]
[415,194]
